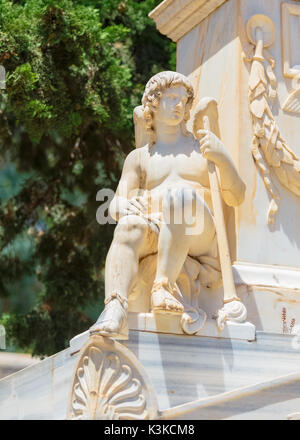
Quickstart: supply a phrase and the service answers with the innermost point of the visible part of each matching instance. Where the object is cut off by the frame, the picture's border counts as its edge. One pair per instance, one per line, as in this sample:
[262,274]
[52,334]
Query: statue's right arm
[128,186]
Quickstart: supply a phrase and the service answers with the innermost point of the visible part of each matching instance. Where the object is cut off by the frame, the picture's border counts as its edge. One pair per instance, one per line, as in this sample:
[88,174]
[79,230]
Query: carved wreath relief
[109,384]
[269,149]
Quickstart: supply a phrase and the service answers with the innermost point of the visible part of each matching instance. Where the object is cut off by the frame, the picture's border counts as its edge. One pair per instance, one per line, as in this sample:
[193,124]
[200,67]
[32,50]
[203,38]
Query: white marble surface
[269,400]
[148,322]
[161,324]
[267,276]
[39,392]
[209,366]
[205,367]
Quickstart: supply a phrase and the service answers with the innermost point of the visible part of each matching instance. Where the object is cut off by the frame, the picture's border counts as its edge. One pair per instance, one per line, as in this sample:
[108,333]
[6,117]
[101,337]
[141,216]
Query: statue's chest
[191,167]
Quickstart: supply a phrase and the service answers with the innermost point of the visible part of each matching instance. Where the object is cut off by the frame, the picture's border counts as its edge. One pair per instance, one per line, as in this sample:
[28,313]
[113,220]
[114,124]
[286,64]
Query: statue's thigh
[200,245]
[201,234]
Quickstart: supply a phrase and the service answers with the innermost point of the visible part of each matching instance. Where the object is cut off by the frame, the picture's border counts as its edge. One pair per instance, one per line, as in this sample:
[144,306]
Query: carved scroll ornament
[269,149]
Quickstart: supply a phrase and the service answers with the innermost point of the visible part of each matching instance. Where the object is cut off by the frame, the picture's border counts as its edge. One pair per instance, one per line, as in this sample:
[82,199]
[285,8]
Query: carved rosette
[110,383]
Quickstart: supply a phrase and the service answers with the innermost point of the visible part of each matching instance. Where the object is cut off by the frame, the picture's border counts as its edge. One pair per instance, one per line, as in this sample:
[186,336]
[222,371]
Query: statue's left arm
[232,186]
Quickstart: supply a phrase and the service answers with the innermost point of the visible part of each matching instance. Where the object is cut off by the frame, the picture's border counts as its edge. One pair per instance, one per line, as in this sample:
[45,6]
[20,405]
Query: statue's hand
[211,147]
[135,205]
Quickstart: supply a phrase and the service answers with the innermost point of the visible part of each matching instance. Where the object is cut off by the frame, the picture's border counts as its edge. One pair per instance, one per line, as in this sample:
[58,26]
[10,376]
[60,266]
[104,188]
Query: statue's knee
[130,229]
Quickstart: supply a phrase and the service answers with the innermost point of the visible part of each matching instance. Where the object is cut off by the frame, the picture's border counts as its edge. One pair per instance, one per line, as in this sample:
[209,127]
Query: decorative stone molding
[269,149]
[110,383]
[266,276]
[176,18]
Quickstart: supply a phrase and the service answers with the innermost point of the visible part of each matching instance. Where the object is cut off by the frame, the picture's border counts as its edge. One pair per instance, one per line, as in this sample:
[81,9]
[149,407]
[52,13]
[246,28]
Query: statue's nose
[178,106]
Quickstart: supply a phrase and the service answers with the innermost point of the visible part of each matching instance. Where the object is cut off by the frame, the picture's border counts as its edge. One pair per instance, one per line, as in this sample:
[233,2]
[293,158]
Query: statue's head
[176,93]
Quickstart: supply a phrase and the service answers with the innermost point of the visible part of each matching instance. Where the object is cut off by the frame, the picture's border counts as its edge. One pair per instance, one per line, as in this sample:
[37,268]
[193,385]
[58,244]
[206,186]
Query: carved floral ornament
[110,383]
[270,151]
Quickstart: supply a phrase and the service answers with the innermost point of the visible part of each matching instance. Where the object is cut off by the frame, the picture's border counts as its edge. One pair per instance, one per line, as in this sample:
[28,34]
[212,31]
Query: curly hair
[153,91]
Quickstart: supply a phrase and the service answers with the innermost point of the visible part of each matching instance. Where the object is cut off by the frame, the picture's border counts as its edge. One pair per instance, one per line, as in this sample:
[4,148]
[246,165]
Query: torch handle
[225,260]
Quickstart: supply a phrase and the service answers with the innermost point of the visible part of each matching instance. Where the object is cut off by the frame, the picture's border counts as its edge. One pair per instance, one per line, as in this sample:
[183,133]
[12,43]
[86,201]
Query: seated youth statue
[164,211]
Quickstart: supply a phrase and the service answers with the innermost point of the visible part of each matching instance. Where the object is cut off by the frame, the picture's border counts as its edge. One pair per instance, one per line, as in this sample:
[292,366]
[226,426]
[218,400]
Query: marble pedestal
[166,324]
[193,378]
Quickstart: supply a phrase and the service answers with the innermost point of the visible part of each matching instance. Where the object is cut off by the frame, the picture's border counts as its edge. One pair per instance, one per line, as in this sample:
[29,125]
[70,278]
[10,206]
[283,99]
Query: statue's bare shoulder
[133,169]
[134,160]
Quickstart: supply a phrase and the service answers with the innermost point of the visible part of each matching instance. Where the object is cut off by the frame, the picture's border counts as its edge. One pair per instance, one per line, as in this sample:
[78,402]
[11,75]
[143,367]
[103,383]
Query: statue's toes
[178,307]
[167,305]
[104,327]
[174,305]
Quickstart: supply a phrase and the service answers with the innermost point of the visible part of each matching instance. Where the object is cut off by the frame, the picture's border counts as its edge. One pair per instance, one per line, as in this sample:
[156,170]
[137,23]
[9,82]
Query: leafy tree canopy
[74,72]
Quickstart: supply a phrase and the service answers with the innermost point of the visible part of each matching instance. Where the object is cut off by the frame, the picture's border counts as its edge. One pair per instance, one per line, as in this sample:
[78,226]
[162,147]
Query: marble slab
[162,323]
[182,369]
[147,322]
[276,397]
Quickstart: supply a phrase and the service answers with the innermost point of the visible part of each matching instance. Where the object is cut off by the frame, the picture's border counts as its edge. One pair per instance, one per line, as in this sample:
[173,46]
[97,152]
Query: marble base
[161,323]
[193,377]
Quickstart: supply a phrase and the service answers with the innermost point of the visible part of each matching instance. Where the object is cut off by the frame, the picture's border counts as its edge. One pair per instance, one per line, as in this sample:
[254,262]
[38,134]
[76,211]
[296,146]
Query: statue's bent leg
[189,229]
[133,239]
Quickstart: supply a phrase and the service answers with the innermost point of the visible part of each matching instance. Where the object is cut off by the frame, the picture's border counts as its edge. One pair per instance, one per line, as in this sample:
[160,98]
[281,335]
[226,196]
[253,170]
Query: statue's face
[172,104]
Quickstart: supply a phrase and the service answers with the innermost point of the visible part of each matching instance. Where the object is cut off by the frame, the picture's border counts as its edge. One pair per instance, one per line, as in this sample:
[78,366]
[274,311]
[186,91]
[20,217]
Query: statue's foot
[163,300]
[113,321]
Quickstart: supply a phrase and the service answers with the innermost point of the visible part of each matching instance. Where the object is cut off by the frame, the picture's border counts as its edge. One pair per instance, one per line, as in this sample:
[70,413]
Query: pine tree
[74,72]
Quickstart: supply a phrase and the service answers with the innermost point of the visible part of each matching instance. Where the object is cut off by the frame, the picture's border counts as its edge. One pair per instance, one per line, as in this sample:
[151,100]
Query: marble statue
[163,206]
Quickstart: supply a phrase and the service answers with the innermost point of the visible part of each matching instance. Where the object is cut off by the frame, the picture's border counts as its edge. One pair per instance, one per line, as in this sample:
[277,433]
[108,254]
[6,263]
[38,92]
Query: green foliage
[75,71]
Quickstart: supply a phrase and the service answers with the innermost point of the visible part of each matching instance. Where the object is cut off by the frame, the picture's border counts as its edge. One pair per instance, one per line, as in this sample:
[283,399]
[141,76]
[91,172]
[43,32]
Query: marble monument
[202,313]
